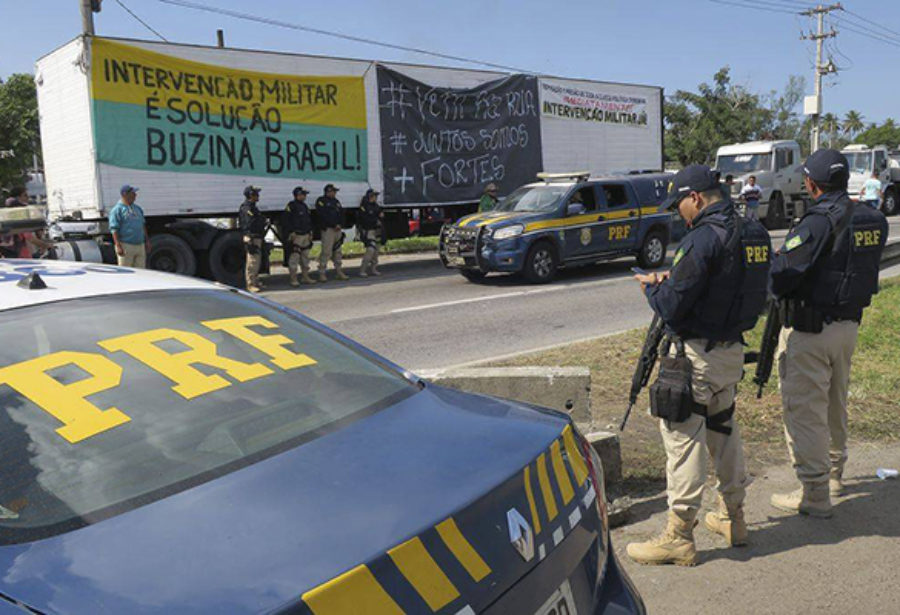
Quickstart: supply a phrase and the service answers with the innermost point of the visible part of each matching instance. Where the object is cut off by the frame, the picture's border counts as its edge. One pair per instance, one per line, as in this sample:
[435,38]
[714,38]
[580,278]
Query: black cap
[299,190]
[371,191]
[692,178]
[827,166]
[331,187]
[251,190]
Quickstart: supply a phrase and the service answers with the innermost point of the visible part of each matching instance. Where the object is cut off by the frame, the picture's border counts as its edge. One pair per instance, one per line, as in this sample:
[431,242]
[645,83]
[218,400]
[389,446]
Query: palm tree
[830,125]
[853,123]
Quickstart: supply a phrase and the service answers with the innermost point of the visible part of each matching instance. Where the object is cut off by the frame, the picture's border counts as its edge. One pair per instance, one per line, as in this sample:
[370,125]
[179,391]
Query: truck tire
[889,207]
[172,254]
[775,215]
[227,258]
[540,264]
[653,250]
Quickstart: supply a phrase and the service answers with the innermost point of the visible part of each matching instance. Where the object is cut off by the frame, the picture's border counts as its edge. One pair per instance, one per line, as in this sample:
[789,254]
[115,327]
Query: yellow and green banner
[157,112]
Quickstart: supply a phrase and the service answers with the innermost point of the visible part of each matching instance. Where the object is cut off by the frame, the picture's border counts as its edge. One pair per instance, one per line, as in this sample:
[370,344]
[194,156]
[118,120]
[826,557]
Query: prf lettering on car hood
[81,419]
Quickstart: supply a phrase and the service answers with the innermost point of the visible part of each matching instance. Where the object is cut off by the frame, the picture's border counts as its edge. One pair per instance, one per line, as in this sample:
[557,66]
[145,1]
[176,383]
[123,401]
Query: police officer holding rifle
[714,292]
[823,276]
[252,224]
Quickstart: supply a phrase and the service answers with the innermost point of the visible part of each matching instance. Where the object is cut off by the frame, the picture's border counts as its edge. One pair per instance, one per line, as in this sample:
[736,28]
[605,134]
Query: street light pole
[87,18]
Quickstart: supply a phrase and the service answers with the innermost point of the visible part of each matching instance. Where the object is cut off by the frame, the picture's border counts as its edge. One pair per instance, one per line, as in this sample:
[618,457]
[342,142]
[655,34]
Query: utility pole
[87,17]
[821,69]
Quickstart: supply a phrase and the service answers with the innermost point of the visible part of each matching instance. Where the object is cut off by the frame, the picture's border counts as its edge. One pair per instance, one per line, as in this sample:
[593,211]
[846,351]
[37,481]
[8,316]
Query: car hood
[255,540]
[497,219]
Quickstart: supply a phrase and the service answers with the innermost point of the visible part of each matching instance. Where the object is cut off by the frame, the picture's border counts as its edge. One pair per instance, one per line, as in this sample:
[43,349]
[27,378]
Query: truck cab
[864,161]
[564,220]
[774,163]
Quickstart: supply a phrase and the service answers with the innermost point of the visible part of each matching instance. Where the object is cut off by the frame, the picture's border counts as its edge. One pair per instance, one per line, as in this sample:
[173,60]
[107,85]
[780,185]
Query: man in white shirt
[871,193]
[750,194]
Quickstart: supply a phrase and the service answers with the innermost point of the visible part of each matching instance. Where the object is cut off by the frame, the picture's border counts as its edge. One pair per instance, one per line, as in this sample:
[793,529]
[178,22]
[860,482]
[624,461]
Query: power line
[874,23]
[875,37]
[144,23]
[747,6]
[346,37]
[843,22]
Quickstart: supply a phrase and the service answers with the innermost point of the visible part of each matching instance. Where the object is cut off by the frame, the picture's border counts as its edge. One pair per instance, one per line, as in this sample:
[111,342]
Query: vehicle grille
[462,239]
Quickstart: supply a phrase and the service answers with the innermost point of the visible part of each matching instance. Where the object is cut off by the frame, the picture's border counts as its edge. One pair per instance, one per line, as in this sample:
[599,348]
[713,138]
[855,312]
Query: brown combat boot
[294,281]
[812,499]
[675,545]
[728,521]
[323,277]
[306,279]
[836,482]
[340,275]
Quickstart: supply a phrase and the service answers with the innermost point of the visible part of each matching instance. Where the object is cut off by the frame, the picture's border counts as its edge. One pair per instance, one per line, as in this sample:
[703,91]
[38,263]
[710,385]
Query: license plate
[456,261]
[560,603]
[452,251]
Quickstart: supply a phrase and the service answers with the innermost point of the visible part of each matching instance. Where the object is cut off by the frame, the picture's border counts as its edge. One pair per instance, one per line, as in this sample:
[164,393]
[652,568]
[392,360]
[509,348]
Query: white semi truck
[774,163]
[191,126]
[864,161]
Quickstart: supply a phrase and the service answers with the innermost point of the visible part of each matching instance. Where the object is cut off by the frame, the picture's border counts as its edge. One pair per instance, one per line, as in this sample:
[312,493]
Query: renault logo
[520,534]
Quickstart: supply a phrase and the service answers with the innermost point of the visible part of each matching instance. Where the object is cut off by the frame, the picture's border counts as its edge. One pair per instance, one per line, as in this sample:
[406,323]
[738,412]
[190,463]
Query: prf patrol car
[171,446]
[564,220]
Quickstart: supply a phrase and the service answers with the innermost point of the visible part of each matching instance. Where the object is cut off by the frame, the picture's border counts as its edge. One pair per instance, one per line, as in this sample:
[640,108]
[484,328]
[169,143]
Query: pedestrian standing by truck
[751,194]
[296,227]
[824,276]
[129,230]
[331,217]
[368,224]
[252,224]
[489,199]
[872,191]
[714,292]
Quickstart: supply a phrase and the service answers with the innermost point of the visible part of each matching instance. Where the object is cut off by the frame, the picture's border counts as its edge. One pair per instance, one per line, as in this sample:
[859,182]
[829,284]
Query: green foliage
[19,131]
[885,134]
[853,123]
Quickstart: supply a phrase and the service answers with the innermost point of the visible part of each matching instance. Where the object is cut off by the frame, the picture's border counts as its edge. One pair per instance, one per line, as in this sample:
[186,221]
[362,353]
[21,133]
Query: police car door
[583,236]
[622,216]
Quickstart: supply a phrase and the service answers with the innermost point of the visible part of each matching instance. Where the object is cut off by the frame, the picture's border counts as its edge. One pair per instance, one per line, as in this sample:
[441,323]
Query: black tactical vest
[845,276]
[738,284]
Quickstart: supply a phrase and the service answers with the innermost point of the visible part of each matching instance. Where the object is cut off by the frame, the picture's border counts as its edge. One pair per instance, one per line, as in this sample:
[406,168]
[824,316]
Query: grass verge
[351,249]
[873,404]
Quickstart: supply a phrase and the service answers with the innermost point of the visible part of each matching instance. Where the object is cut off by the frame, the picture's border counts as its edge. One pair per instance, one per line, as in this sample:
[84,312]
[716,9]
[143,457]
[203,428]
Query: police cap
[300,190]
[827,166]
[331,187]
[251,190]
[692,178]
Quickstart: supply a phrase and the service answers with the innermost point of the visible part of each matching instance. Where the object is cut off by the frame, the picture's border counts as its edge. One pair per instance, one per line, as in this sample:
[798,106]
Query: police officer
[714,292]
[824,275]
[296,227]
[368,221]
[252,225]
[330,214]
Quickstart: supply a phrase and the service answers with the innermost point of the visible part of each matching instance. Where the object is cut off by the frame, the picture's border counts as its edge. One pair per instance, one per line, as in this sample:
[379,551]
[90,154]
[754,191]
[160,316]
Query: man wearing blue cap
[714,292]
[252,224]
[823,276]
[297,228]
[129,231]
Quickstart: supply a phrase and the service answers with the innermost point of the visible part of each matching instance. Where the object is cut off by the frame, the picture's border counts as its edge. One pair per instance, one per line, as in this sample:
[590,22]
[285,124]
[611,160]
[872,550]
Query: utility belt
[805,318]
[671,397]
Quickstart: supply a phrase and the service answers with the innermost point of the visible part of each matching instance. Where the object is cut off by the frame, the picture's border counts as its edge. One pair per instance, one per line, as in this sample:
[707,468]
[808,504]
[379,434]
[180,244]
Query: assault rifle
[645,364]
[767,347]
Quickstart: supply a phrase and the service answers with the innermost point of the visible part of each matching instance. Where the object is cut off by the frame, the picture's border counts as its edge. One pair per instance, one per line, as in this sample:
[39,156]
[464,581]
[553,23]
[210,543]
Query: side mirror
[573,209]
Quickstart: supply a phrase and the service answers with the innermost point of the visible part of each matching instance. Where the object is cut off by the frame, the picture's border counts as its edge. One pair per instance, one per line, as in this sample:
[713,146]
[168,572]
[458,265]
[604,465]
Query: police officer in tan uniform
[714,292]
[824,276]
[368,224]
[296,226]
[331,216]
[252,224]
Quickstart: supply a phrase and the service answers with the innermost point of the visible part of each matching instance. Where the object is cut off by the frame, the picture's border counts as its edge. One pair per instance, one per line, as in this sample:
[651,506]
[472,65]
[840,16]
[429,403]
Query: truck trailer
[866,161]
[192,125]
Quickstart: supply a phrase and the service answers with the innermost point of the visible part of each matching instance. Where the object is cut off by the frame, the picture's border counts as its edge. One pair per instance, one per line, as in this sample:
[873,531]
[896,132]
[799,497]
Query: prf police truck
[566,219]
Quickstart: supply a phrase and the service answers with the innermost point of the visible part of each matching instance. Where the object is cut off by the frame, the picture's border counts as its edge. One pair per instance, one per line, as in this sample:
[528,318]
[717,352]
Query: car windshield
[533,198]
[743,163]
[109,403]
[860,162]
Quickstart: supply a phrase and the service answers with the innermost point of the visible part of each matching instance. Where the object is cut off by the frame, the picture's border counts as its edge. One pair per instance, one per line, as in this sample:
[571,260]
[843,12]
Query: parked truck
[864,161]
[191,126]
[774,163]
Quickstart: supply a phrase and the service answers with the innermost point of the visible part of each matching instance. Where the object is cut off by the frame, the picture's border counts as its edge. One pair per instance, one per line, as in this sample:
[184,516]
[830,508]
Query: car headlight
[508,231]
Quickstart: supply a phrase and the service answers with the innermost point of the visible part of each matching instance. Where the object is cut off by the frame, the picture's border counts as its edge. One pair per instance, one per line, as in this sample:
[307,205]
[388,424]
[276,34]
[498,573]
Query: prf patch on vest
[756,255]
[866,239]
[679,254]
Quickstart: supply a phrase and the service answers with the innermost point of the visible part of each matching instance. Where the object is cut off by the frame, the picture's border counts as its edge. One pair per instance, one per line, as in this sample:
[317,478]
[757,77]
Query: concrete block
[567,389]
[607,446]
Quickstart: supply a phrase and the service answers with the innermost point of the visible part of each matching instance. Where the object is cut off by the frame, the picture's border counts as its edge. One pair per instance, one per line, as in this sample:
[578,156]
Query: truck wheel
[540,264]
[172,254]
[889,207]
[653,252]
[775,215]
[473,275]
[226,259]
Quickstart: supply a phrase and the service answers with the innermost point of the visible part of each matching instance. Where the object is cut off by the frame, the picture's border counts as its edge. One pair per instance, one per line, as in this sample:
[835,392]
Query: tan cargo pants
[253,262]
[135,255]
[299,245]
[370,258]
[330,236]
[814,370]
[715,377]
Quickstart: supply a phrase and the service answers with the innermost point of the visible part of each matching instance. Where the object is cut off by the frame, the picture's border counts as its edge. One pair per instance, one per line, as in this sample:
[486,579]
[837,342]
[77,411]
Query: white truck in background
[864,161]
[191,126]
[774,163]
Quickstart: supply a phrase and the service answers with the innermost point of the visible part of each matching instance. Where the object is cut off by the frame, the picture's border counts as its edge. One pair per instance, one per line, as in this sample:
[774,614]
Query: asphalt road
[422,316]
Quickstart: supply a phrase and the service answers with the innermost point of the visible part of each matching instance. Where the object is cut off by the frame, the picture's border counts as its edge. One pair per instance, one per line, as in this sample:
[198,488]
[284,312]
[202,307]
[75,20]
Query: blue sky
[637,41]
